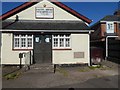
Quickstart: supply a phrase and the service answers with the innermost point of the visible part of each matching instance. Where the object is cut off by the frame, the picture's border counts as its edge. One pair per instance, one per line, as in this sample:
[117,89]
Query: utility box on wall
[20,55]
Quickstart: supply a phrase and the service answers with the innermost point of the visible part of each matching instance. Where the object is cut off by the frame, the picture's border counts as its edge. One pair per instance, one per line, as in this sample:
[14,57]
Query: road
[104,82]
[109,82]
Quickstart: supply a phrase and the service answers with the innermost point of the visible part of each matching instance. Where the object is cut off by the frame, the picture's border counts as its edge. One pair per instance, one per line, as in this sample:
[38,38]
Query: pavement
[66,77]
[0,77]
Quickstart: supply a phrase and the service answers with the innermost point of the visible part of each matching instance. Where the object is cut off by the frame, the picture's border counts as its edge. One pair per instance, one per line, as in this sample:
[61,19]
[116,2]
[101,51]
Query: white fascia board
[87,24]
[110,21]
[111,36]
[46,30]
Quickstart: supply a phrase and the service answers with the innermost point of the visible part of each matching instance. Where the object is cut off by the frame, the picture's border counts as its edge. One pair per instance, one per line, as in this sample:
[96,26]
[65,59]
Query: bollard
[54,68]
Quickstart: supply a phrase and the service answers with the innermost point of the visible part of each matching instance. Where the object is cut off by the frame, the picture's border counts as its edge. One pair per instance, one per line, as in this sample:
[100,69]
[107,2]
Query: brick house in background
[107,34]
[107,26]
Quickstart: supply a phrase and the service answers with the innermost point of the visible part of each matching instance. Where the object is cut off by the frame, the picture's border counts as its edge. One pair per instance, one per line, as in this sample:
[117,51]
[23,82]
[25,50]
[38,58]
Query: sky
[92,10]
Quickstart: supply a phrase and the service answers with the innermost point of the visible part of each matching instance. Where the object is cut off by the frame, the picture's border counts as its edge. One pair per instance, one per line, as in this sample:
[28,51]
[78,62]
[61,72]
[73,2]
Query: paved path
[0,77]
[64,77]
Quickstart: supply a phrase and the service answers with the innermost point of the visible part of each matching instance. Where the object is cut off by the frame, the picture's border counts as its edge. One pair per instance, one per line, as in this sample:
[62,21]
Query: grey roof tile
[111,18]
[44,25]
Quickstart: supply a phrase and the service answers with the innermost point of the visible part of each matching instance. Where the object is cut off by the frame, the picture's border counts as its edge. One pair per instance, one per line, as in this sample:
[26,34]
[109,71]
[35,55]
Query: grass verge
[63,71]
[85,69]
[12,75]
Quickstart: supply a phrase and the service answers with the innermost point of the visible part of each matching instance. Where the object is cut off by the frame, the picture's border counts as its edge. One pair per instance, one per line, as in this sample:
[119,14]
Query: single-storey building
[45,32]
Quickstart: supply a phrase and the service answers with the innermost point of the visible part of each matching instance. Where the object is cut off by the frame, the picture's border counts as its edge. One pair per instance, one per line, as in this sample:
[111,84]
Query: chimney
[117,12]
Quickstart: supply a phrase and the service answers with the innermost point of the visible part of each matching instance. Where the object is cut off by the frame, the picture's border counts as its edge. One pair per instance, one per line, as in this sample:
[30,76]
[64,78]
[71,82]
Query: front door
[42,48]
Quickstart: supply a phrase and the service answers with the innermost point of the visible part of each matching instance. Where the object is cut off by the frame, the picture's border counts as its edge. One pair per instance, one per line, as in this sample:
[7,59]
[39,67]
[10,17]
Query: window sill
[22,49]
[62,49]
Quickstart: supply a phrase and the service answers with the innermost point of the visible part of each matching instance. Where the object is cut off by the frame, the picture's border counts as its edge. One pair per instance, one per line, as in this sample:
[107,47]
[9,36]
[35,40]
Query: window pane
[55,35]
[23,42]
[110,27]
[67,35]
[29,35]
[16,35]
[61,35]
[67,42]
[23,35]
[16,42]
[61,42]
[55,42]
[29,40]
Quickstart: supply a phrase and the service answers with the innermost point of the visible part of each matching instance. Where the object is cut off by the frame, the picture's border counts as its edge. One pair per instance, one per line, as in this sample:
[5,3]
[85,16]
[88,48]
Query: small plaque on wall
[44,12]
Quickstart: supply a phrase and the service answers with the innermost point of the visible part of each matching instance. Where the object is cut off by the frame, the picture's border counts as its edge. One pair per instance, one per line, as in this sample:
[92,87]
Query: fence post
[20,56]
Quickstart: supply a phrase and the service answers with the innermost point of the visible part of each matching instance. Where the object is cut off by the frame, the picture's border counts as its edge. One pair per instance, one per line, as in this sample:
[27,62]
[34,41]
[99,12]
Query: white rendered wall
[79,43]
[9,56]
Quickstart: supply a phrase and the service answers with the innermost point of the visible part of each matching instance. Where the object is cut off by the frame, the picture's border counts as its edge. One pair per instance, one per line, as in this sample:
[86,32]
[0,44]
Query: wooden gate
[113,50]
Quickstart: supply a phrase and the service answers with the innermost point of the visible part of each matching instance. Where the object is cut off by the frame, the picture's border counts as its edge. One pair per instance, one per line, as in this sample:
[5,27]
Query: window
[23,41]
[110,27]
[61,41]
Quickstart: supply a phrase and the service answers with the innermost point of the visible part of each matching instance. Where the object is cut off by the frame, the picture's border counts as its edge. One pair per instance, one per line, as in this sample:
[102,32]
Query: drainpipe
[89,53]
[106,48]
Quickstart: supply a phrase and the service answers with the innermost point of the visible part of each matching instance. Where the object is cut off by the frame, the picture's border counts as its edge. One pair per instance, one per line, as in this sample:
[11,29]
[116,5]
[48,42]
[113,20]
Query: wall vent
[78,54]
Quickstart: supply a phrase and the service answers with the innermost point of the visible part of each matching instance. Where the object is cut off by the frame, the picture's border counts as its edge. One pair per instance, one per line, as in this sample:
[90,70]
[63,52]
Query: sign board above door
[44,12]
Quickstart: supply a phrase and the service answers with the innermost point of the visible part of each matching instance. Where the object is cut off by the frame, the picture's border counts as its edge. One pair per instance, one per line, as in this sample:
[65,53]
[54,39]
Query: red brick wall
[103,29]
